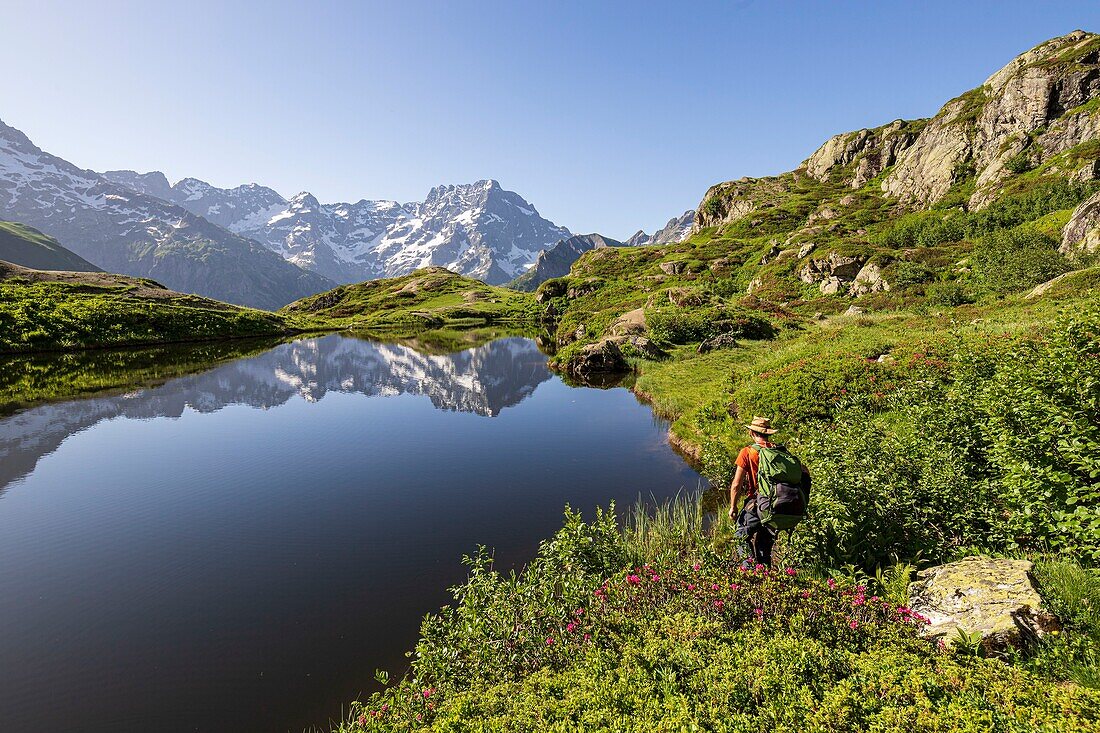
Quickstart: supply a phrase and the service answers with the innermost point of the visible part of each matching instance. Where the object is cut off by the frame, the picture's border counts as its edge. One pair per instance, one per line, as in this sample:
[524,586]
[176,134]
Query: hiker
[776,498]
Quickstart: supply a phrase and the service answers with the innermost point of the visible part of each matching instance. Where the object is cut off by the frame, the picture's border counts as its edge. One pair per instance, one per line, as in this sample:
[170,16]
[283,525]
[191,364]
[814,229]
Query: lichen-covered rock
[639,346]
[869,280]
[672,268]
[994,597]
[603,357]
[1082,232]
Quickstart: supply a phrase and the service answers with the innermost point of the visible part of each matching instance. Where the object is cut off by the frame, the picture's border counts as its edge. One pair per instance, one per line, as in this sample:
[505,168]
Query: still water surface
[238,550]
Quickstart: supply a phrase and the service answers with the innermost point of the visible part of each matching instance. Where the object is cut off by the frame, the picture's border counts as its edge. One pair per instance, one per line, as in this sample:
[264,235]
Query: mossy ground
[431,298]
[51,316]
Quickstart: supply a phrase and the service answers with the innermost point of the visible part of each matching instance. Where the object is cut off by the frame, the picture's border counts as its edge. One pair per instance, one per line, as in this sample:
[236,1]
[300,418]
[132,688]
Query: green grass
[431,298]
[49,316]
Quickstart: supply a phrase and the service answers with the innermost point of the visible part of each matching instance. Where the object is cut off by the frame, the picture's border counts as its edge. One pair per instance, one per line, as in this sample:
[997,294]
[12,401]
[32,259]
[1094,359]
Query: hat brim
[762,431]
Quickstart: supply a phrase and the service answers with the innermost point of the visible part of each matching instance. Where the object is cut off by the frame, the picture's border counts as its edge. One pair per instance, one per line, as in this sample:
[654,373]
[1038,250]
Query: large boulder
[629,323]
[995,598]
[601,358]
[1082,232]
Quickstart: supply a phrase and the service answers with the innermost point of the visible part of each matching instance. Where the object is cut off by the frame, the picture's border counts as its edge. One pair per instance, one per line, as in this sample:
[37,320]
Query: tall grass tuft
[662,532]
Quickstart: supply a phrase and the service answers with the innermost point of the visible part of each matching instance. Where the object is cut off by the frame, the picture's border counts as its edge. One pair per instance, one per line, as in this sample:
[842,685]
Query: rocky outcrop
[1030,107]
[833,272]
[556,261]
[996,599]
[869,280]
[1082,232]
[672,268]
[731,201]
[873,150]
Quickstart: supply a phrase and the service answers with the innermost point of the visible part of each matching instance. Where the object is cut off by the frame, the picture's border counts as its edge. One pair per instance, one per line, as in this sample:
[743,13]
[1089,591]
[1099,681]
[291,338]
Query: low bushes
[695,643]
[684,325]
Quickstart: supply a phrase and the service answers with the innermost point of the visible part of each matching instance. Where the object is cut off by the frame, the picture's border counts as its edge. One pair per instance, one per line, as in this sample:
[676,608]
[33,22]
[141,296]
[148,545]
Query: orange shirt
[748,460]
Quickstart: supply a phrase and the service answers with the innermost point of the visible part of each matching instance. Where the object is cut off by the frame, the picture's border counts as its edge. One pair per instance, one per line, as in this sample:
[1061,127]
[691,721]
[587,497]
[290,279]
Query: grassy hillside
[46,311]
[26,246]
[433,297]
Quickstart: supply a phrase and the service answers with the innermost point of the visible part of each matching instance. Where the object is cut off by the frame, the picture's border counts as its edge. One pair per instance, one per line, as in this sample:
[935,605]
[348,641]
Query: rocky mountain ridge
[1037,110]
[131,233]
[480,230]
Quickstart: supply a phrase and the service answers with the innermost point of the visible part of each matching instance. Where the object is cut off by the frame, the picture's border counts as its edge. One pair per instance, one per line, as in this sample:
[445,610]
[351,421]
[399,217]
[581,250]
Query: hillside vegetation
[28,247]
[432,297]
[47,311]
[917,307]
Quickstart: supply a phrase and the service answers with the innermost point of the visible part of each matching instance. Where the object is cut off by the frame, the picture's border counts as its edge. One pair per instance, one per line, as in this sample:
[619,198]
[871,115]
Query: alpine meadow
[268,463]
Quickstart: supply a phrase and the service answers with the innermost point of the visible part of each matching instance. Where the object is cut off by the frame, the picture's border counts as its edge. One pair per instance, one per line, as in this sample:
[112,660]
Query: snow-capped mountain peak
[478,229]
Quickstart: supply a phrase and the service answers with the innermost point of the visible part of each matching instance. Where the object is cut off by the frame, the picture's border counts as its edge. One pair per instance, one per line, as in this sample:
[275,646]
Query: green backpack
[781,499]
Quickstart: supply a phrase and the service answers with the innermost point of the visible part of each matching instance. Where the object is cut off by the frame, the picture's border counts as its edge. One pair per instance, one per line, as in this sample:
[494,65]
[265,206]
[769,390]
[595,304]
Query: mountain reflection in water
[234,537]
[483,380]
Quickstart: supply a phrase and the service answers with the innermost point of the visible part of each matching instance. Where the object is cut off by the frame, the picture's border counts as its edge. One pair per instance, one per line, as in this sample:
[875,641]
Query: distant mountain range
[676,230]
[251,246]
[131,233]
[479,230]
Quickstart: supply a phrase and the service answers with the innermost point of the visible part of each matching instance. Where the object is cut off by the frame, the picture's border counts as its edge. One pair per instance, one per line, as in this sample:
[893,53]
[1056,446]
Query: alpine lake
[234,536]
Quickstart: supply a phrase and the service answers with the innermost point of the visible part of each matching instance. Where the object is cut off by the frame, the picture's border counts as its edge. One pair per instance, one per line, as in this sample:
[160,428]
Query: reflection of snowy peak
[483,380]
[479,230]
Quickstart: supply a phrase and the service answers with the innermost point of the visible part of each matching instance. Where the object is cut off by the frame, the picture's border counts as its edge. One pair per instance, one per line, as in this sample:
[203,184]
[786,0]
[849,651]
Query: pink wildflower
[758,611]
[805,594]
[570,626]
[696,567]
[854,625]
[633,579]
[428,692]
[363,719]
[831,582]
[655,578]
[385,707]
[792,572]
[759,568]
[719,603]
[549,641]
[587,637]
[734,586]
[714,586]
[691,586]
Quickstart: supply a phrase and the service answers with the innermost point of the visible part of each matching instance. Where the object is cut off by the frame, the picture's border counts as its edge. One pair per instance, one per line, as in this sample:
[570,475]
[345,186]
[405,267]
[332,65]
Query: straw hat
[762,425]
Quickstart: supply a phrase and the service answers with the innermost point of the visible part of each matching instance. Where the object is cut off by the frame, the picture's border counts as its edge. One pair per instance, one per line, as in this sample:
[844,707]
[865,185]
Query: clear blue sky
[608,116]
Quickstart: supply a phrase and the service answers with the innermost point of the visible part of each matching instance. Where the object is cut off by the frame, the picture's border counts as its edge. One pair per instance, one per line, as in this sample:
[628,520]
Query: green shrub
[696,644]
[908,273]
[714,208]
[948,294]
[1008,261]
[688,325]
[1020,162]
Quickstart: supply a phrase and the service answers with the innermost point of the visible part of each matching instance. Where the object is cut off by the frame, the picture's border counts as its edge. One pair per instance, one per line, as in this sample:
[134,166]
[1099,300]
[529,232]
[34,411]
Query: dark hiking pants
[754,539]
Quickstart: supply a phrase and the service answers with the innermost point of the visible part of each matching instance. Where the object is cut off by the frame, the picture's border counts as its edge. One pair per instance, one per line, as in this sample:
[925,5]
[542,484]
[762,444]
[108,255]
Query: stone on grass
[995,598]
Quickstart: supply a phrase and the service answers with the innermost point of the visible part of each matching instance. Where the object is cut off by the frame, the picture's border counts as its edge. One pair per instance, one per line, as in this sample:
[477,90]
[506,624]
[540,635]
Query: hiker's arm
[735,490]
